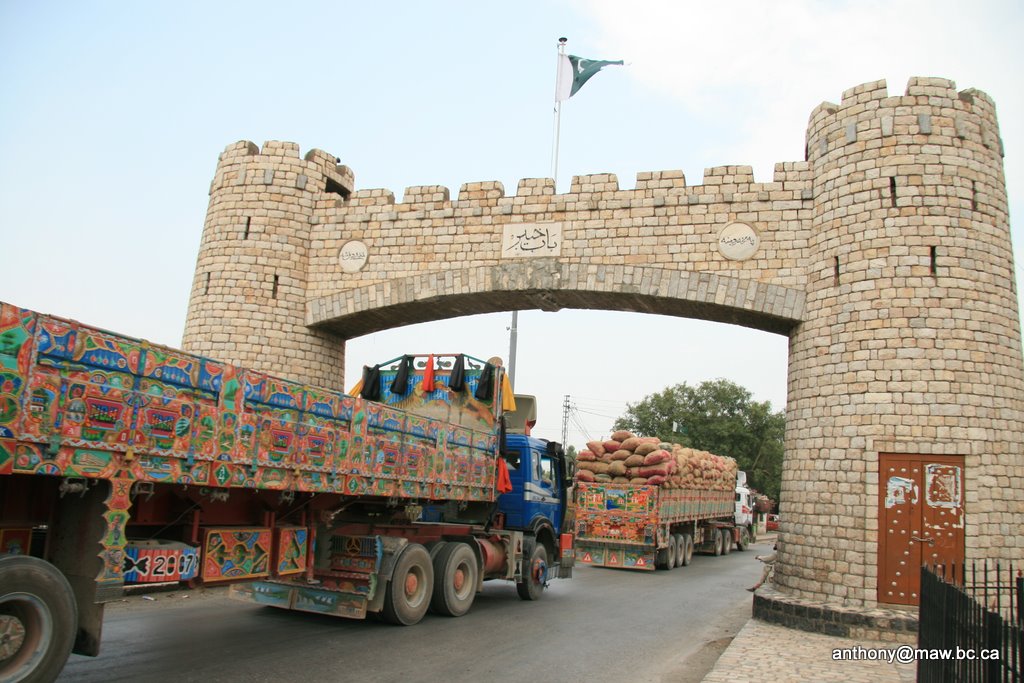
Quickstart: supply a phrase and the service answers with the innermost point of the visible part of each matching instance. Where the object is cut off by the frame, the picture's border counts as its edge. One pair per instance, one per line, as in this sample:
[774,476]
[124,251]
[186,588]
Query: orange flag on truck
[428,375]
[504,480]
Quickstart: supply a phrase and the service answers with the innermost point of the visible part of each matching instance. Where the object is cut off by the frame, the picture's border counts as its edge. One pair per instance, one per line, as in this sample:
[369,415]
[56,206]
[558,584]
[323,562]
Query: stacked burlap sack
[630,459]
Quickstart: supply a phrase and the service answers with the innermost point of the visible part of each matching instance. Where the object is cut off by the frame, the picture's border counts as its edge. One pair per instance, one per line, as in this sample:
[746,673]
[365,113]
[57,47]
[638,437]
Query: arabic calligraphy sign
[353,256]
[531,239]
[738,241]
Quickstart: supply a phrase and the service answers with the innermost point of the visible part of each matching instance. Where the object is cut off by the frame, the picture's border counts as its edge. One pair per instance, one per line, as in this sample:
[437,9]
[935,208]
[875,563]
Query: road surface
[602,625]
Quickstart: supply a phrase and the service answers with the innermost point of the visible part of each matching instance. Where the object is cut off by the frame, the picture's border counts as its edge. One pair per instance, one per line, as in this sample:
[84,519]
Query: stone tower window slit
[336,188]
[206,285]
[974,196]
[273,290]
[892,189]
[835,271]
[248,222]
[934,261]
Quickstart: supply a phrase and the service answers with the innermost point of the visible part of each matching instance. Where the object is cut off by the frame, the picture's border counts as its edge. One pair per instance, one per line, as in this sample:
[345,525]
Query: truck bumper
[618,557]
[300,598]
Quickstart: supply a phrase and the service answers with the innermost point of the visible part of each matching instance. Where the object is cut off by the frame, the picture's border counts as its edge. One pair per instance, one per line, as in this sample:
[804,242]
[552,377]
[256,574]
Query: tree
[717,416]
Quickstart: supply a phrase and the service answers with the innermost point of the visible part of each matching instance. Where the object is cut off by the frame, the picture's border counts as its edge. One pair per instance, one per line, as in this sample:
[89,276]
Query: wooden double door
[920,521]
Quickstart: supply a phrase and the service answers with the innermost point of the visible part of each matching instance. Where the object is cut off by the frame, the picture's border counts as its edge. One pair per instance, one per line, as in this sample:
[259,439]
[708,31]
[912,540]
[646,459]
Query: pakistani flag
[574,71]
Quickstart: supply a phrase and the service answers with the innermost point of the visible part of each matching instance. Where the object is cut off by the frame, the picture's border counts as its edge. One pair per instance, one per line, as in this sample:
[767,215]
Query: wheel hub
[412,584]
[459,580]
[12,635]
[26,627]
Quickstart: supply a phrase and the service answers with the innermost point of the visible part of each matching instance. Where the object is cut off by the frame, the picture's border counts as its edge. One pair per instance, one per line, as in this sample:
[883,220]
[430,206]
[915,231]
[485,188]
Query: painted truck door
[921,521]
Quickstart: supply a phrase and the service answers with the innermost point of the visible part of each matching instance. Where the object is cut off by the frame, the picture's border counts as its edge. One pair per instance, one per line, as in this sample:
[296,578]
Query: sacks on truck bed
[648,460]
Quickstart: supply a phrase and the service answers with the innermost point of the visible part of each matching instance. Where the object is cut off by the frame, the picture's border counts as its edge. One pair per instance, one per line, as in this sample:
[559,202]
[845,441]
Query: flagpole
[558,111]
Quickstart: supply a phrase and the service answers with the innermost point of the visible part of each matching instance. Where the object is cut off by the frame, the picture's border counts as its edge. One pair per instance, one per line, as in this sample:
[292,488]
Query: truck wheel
[408,593]
[661,559]
[434,547]
[38,619]
[726,541]
[687,550]
[718,541]
[680,544]
[455,578]
[535,572]
[744,539]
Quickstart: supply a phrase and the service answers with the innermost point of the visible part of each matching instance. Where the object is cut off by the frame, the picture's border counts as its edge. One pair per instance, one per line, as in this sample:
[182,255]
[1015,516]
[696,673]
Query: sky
[113,113]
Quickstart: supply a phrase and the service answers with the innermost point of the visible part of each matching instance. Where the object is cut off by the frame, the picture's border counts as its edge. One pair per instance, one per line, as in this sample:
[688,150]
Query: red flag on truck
[504,480]
[428,374]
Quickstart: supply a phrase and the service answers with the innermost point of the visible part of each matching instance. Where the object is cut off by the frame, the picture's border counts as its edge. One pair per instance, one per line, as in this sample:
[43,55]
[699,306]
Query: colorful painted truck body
[122,461]
[652,527]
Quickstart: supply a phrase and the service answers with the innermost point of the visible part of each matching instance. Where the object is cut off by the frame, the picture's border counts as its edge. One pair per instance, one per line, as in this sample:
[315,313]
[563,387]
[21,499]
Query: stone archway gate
[884,256]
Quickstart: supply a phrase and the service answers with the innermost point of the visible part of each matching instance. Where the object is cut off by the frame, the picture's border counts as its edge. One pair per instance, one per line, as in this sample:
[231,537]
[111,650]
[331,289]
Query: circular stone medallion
[738,241]
[353,256]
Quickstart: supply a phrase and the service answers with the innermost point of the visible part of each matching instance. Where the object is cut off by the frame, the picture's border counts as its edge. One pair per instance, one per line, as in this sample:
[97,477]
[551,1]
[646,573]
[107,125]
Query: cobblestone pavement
[765,652]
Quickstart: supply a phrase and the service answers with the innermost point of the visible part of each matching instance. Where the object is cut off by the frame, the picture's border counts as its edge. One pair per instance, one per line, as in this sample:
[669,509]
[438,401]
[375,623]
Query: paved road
[603,625]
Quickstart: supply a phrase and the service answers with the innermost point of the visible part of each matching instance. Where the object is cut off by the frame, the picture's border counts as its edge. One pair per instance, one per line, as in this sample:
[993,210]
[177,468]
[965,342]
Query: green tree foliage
[717,416]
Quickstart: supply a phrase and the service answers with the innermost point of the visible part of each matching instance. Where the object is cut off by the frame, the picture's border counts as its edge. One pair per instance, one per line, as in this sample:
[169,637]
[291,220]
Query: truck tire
[744,539]
[662,559]
[535,571]
[680,545]
[717,540]
[38,619]
[408,593]
[456,575]
[687,550]
[726,541]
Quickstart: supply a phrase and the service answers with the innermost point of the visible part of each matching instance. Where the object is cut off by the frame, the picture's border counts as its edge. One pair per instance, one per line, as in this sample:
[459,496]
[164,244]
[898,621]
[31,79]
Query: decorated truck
[126,462]
[644,504]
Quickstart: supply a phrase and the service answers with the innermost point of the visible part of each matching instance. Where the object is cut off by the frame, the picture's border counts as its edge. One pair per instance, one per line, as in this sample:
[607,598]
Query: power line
[588,412]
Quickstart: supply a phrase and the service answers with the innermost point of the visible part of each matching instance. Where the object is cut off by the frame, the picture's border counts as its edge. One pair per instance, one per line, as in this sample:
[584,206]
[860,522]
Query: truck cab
[744,515]
[540,476]
[537,471]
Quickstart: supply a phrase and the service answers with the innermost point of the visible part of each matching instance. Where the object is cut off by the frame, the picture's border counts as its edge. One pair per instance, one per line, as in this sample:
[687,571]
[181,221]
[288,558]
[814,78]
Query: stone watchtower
[905,379]
[884,255]
[248,303]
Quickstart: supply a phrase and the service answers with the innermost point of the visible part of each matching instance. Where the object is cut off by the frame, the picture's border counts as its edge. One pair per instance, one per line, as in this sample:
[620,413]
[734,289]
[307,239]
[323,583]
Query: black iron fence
[971,624]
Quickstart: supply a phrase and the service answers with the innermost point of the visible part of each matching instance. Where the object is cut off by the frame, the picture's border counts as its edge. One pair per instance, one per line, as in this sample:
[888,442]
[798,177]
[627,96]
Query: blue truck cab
[536,470]
[541,477]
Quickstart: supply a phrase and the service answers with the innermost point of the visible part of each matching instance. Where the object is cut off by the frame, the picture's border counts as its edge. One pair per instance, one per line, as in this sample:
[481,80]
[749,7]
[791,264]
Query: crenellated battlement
[279,163]
[668,185]
[931,111]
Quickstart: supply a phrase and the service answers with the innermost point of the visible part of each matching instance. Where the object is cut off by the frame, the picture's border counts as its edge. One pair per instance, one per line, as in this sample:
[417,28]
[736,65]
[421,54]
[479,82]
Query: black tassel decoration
[401,381]
[458,378]
[371,383]
[485,387]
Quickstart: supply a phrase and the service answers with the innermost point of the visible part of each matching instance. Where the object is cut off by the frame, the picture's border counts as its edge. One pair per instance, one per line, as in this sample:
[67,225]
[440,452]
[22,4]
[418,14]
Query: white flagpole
[558,111]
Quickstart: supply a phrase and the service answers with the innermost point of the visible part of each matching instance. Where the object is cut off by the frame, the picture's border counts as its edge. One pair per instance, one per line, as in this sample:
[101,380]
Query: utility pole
[512,342]
[566,407]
